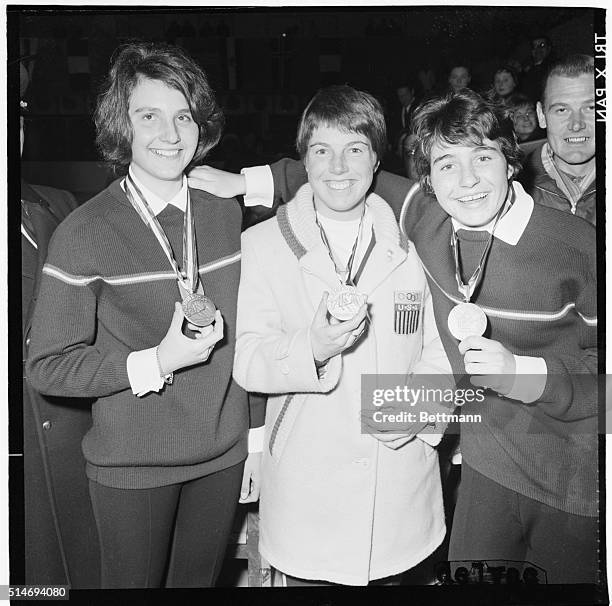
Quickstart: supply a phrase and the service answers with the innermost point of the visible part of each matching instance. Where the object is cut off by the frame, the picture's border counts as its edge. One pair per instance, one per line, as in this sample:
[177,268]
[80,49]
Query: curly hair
[155,61]
[348,109]
[461,118]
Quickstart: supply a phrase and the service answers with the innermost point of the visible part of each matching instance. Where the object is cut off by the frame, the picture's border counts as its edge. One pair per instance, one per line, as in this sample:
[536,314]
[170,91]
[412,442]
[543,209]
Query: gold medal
[344,302]
[466,320]
[199,309]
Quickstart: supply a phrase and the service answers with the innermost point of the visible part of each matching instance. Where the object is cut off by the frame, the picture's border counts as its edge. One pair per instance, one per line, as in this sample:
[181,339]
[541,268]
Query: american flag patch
[407,311]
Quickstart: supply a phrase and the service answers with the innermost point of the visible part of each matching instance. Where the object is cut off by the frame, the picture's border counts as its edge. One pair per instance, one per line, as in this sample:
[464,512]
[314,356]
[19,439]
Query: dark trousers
[493,522]
[172,536]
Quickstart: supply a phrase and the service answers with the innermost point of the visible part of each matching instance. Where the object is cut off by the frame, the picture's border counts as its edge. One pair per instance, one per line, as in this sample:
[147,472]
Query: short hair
[518,100]
[461,118]
[465,66]
[155,61]
[345,108]
[508,69]
[571,66]
[405,84]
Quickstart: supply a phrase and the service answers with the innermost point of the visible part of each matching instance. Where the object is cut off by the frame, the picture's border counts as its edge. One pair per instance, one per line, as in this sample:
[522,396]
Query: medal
[465,320]
[197,307]
[345,302]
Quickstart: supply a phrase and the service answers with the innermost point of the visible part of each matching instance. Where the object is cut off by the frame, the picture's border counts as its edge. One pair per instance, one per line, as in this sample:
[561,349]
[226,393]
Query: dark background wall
[264,64]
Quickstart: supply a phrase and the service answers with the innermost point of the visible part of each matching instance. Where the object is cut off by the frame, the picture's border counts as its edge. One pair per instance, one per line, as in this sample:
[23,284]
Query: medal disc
[345,302]
[199,309]
[465,320]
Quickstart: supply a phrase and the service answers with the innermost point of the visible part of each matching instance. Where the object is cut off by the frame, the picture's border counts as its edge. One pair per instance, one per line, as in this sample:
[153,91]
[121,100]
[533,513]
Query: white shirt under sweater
[341,238]
[142,366]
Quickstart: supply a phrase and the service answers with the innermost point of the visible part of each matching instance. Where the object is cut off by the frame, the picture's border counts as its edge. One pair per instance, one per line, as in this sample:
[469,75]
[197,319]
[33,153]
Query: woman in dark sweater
[166,449]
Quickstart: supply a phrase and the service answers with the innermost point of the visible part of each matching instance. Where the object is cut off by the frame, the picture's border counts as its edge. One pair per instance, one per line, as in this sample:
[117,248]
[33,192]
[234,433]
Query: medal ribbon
[349,265]
[467,290]
[190,278]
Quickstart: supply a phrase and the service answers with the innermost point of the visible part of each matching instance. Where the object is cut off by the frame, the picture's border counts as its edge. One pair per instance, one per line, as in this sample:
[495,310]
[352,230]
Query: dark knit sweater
[547,450]
[108,290]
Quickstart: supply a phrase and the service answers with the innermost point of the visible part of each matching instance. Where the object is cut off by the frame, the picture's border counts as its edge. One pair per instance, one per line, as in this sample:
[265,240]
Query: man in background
[535,72]
[560,172]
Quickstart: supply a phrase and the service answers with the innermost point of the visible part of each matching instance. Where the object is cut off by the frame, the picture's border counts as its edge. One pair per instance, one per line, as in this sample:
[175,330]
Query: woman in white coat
[337,505]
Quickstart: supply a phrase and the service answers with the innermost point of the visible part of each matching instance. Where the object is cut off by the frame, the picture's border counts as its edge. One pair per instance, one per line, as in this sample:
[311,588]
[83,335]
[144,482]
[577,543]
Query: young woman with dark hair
[166,449]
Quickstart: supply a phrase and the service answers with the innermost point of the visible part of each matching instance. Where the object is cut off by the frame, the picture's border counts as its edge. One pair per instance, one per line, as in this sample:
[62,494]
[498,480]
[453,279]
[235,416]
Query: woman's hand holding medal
[331,337]
[491,365]
[178,351]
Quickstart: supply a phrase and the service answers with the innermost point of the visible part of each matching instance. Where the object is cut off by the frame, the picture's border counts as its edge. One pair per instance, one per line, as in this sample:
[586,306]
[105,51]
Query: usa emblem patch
[407,311]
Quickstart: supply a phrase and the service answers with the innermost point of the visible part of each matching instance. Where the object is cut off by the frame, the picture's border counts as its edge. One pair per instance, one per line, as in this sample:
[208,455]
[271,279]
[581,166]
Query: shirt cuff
[143,372]
[259,186]
[256,439]
[529,380]
[433,439]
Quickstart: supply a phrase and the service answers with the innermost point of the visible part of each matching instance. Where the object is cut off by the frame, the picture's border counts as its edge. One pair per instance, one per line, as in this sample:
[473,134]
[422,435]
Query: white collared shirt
[513,222]
[156,203]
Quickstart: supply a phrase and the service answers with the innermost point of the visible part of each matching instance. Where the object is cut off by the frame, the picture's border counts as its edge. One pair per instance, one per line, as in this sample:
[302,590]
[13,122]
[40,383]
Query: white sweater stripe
[527,316]
[123,280]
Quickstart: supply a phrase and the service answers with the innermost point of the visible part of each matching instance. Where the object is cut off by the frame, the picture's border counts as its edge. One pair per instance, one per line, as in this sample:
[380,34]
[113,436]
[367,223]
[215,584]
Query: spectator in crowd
[534,73]
[332,241]
[505,82]
[522,111]
[533,459]
[401,131]
[427,82]
[459,77]
[61,544]
[560,173]
[407,99]
[165,454]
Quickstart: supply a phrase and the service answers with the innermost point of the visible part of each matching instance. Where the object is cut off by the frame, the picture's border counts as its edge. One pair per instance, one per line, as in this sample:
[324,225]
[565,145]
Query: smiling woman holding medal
[169,427]
[323,298]
[515,299]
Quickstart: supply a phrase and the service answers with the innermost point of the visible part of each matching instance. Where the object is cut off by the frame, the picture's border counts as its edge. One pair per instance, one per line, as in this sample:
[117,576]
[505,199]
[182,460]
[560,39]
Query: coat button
[47,425]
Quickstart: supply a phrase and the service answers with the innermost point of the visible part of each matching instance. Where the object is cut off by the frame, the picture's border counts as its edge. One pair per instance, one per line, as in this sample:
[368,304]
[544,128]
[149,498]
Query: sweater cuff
[259,186]
[529,380]
[143,372]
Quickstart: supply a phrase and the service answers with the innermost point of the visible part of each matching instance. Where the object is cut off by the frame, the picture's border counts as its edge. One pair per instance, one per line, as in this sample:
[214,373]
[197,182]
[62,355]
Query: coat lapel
[385,257]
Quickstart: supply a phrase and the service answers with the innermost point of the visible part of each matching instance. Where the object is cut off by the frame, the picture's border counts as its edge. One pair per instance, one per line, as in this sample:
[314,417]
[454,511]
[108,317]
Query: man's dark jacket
[61,543]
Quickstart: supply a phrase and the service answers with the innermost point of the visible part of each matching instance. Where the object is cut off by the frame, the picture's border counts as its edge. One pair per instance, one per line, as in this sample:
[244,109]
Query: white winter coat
[336,504]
